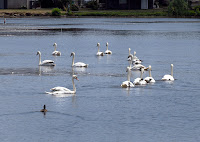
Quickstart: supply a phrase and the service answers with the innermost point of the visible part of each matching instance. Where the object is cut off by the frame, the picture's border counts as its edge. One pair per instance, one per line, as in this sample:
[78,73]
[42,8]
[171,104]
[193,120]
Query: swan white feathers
[150,79]
[62,90]
[55,52]
[127,83]
[78,64]
[140,81]
[169,77]
[45,62]
[99,53]
[107,51]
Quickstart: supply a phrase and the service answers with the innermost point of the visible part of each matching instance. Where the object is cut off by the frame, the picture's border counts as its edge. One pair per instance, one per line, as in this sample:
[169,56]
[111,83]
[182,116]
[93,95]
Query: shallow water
[101,109]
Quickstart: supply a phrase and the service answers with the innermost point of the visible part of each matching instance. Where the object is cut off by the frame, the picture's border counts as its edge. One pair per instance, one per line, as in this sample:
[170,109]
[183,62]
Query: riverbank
[12,13]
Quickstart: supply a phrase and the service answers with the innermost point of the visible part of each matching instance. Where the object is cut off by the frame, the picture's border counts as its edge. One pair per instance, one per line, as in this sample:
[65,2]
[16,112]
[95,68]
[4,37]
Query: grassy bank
[85,12]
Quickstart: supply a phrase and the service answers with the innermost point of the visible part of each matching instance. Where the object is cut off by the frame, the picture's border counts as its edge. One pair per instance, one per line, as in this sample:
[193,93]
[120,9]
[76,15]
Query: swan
[149,79]
[78,64]
[56,53]
[136,65]
[127,83]
[169,77]
[44,109]
[45,62]
[62,90]
[107,51]
[99,53]
[140,81]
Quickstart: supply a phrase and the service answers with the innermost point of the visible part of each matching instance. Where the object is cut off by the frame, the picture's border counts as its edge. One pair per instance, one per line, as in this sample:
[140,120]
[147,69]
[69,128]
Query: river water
[101,111]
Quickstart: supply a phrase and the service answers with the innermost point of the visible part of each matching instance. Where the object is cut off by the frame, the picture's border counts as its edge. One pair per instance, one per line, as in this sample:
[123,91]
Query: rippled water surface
[101,111]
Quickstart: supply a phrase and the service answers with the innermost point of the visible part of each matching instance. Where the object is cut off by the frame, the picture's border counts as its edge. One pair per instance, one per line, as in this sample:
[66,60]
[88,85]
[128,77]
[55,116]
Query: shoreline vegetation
[17,13]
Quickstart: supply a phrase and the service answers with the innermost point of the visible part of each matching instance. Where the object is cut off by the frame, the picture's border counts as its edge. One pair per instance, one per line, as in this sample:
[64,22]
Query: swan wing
[56,53]
[168,78]
[126,84]
[108,52]
[59,89]
[99,54]
[47,63]
[80,64]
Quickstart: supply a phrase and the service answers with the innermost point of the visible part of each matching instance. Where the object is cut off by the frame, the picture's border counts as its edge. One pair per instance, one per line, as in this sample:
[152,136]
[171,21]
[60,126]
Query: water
[101,109]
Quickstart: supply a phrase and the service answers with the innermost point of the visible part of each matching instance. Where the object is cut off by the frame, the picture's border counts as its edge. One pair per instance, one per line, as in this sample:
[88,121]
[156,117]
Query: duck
[45,62]
[169,77]
[107,51]
[56,53]
[44,109]
[59,91]
[78,64]
[127,83]
[150,79]
[99,53]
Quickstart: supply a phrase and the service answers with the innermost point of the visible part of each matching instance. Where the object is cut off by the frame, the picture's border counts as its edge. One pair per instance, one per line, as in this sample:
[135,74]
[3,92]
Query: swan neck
[107,47]
[74,88]
[129,75]
[39,58]
[171,70]
[55,47]
[141,74]
[150,73]
[98,48]
[129,51]
[73,60]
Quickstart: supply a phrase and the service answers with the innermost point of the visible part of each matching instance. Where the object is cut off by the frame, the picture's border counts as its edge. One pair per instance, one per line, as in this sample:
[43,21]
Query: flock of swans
[134,64]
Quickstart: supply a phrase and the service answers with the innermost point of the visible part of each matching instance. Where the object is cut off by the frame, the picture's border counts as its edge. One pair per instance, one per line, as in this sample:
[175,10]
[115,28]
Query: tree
[178,7]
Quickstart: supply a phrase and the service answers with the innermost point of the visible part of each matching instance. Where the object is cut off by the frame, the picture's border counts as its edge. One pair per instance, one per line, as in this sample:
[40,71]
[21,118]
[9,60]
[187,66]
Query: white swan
[78,64]
[45,62]
[56,53]
[99,53]
[136,65]
[140,81]
[62,90]
[127,83]
[169,77]
[107,51]
[149,79]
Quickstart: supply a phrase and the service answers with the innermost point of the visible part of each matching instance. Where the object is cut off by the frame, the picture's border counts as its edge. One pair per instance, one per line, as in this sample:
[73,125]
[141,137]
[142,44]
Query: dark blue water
[101,110]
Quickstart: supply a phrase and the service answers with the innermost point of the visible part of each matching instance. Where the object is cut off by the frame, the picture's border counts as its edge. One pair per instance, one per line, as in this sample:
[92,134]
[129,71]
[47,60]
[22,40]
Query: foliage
[92,4]
[56,12]
[178,8]
[74,7]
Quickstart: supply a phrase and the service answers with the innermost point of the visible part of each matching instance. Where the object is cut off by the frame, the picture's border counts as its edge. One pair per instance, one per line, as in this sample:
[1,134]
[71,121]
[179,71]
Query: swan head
[149,67]
[72,54]
[55,44]
[106,43]
[134,53]
[38,53]
[75,77]
[172,65]
[98,44]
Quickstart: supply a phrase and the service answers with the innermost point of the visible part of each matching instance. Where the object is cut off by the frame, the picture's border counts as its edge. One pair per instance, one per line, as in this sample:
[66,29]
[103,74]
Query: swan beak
[77,79]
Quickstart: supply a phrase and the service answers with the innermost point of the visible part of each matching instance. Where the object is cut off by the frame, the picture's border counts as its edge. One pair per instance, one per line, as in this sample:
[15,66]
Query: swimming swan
[99,53]
[45,62]
[78,64]
[149,79]
[127,83]
[169,77]
[107,51]
[56,53]
[62,90]
[140,81]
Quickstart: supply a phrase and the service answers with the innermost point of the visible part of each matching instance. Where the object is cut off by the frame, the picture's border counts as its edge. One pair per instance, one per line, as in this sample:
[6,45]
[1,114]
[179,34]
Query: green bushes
[92,4]
[177,8]
[56,12]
